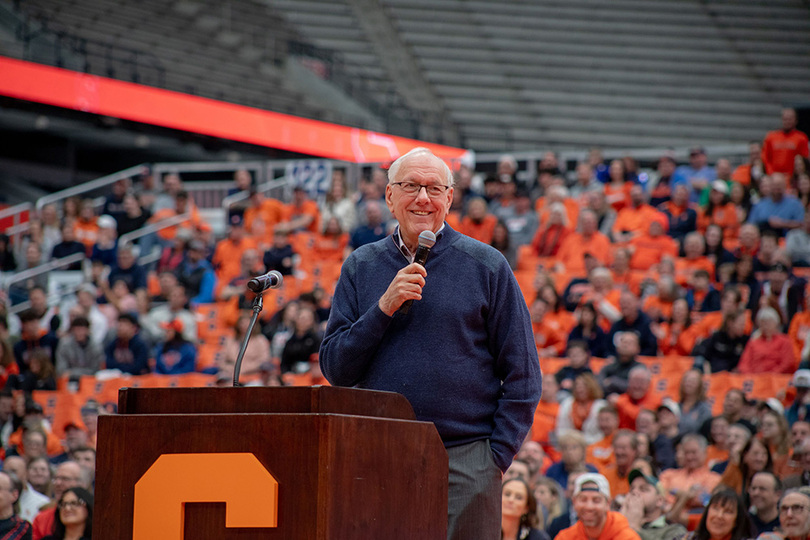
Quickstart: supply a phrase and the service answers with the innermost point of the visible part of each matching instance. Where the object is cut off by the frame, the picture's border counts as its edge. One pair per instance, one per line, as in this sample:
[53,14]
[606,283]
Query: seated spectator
[605,214]
[794,516]
[249,267]
[717,254]
[519,512]
[587,240]
[719,211]
[662,450]
[86,297]
[32,338]
[693,405]
[12,525]
[754,458]
[545,416]
[128,269]
[520,219]
[600,453]
[548,336]
[39,375]
[119,299]
[550,236]
[30,501]
[585,182]
[332,243]
[39,476]
[587,331]
[594,518]
[302,214]
[769,351]
[175,252]
[693,482]
[669,416]
[106,246]
[556,195]
[644,508]
[74,516]
[8,365]
[580,410]
[724,518]
[603,294]
[578,363]
[257,353]
[374,228]
[196,274]
[694,248]
[637,397]
[649,243]
[787,289]
[682,217]
[723,349]
[503,243]
[775,433]
[613,376]
[702,296]
[764,493]
[68,246]
[572,449]
[478,223]
[535,457]
[617,189]
[77,354]
[303,344]
[133,216]
[634,219]
[780,211]
[797,243]
[673,334]
[176,309]
[697,175]
[636,321]
[549,496]
[625,452]
[228,253]
[268,210]
[127,352]
[174,354]
[799,409]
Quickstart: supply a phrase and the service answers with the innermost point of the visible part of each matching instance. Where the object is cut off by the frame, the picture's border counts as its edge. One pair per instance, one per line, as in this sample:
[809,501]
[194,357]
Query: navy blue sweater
[464,355]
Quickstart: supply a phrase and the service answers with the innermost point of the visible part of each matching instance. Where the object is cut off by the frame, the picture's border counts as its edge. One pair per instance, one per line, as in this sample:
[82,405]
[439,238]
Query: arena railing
[15,213]
[92,185]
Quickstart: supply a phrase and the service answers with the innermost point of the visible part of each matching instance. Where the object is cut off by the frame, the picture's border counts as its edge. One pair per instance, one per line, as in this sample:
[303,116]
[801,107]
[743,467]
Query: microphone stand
[237,368]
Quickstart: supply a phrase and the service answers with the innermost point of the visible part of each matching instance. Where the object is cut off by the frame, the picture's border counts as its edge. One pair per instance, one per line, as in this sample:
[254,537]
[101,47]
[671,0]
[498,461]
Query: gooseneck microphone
[426,241]
[271,280]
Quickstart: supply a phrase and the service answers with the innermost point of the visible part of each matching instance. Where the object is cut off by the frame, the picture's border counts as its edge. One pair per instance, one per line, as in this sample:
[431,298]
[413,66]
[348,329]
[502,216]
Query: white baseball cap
[600,484]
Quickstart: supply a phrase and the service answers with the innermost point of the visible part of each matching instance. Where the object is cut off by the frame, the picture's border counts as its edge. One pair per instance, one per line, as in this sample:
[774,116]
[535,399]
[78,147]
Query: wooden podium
[349,464]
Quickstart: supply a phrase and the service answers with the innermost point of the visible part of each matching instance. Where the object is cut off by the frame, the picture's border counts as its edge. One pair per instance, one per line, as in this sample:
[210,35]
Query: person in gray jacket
[76,353]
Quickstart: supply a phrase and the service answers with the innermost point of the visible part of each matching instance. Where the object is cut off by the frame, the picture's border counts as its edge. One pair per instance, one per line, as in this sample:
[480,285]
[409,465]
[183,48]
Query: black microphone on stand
[426,241]
[270,280]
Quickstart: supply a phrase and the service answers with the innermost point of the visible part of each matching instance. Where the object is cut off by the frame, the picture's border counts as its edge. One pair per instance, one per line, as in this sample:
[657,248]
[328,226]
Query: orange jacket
[600,454]
[799,331]
[629,408]
[618,197]
[635,220]
[684,268]
[725,216]
[227,257]
[271,211]
[616,528]
[480,231]
[648,250]
[575,246]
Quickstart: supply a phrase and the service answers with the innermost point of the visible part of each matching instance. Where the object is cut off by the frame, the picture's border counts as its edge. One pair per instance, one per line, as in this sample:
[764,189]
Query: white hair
[393,170]
[768,313]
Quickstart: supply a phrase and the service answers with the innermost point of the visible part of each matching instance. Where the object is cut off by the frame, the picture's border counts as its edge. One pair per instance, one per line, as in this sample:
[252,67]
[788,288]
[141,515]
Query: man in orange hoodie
[781,147]
[595,521]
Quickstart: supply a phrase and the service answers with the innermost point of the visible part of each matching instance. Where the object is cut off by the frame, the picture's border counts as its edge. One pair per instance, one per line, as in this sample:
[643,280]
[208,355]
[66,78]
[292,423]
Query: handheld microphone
[271,280]
[426,241]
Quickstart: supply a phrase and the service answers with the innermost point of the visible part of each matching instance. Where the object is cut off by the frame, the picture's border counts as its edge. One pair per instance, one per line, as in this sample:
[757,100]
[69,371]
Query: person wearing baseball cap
[644,508]
[800,408]
[594,519]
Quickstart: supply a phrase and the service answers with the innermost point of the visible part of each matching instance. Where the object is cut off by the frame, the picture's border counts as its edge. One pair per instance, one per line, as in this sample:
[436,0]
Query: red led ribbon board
[99,95]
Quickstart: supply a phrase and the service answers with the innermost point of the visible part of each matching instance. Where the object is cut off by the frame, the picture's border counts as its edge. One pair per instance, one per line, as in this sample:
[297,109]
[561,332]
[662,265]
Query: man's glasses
[411,188]
[72,504]
[793,509]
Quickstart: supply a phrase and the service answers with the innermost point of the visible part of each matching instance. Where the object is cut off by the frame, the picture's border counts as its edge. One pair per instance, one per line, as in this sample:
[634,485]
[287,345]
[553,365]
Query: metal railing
[153,228]
[49,266]
[92,185]
[16,214]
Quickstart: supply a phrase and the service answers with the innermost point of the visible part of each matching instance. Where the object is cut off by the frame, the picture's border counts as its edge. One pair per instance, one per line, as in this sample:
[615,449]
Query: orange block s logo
[239,480]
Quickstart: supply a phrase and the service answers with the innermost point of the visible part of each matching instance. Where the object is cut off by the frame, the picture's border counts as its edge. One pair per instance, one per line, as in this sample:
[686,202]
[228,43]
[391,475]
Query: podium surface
[349,463]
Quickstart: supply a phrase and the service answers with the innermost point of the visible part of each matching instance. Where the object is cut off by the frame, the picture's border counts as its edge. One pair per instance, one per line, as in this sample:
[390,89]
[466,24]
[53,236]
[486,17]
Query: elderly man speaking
[462,354]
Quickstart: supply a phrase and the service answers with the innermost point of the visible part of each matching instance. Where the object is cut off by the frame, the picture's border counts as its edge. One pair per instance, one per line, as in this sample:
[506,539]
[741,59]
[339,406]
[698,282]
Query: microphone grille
[427,239]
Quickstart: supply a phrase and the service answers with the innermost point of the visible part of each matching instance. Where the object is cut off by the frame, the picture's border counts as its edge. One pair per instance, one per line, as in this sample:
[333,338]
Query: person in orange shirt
[637,397]
[331,244]
[182,205]
[625,452]
[750,173]
[659,306]
[85,228]
[623,275]
[693,481]
[550,236]
[781,147]
[302,214]
[478,223]
[694,247]
[673,336]
[557,315]
[604,297]
[228,253]
[600,453]
[719,211]
[595,521]
[587,240]
[545,416]
[557,194]
[617,190]
[731,302]
[799,332]
[269,210]
[649,247]
[633,220]
[549,338]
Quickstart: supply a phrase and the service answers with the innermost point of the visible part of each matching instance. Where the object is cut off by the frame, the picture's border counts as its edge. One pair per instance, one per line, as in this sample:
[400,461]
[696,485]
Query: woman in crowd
[719,210]
[617,189]
[338,203]
[330,245]
[588,331]
[561,317]
[740,197]
[519,512]
[771,351]
[302,345]
[503,243]
[256,354]
[39,377]
[724,518]
[776,435]
[550,235]
[74,516]
[671,339]
[715,251]
[754,457]
[581,410]
[695,408]
[550,498]
[39,475]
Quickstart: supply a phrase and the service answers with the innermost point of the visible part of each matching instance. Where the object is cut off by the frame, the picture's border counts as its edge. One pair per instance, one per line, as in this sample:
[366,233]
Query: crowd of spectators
[699,260]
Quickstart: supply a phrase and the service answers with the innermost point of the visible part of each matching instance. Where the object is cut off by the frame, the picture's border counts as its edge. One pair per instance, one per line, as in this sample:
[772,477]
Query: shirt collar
[404,249]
